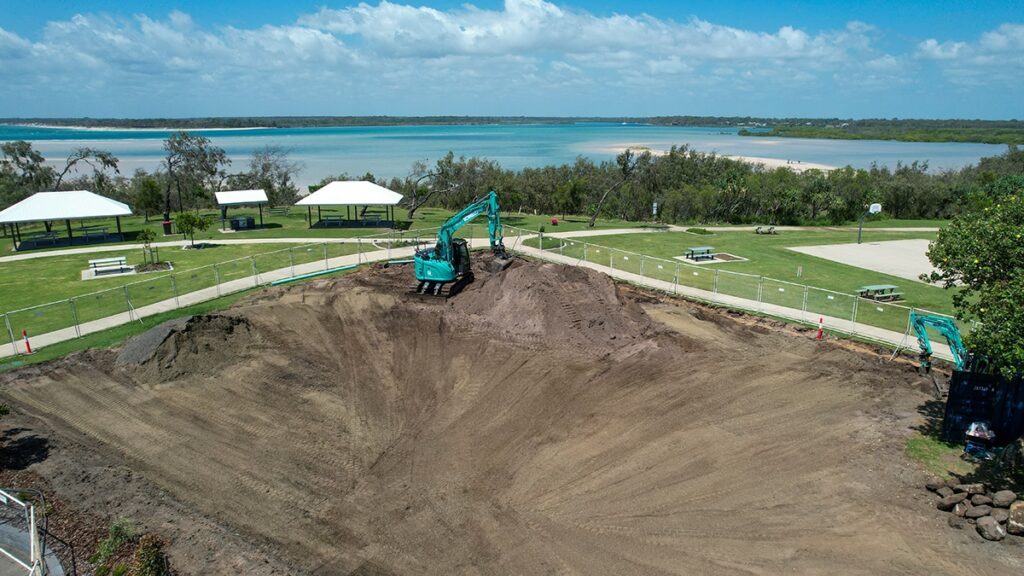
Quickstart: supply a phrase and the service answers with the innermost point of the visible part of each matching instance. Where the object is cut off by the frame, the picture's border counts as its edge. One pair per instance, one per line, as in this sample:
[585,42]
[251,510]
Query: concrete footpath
[880,335]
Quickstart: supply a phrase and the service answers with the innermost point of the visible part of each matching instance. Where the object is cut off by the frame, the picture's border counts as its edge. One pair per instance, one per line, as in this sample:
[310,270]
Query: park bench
[700,253]
[283,211]
[765,230]
[116,264]
[880,292]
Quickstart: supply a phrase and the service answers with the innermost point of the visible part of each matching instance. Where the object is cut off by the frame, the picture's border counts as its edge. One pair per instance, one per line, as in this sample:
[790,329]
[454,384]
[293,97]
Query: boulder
[961,508]
[970,489]
[990,529]
[944,491]
[1015,523]
[981,500]
[949,502]
[978,511]
[956,522]
[1001,515]
[1003,498]
[934,483]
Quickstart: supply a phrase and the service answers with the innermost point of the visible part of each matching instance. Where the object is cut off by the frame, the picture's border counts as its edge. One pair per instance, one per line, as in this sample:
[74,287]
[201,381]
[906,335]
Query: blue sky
[100,58]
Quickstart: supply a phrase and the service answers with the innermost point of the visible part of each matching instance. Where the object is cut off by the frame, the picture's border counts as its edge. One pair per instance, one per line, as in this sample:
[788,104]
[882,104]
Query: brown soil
[543,421]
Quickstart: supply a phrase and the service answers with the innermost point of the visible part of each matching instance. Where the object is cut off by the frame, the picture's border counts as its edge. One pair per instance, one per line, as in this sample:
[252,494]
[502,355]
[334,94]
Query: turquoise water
[390,150]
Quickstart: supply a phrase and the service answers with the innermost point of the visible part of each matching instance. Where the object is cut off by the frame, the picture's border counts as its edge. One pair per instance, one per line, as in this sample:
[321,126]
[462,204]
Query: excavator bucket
[498,264]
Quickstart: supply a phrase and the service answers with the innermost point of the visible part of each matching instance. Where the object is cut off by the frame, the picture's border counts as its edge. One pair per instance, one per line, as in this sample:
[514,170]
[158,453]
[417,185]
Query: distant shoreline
[907,130]
[128,129]
[770,163]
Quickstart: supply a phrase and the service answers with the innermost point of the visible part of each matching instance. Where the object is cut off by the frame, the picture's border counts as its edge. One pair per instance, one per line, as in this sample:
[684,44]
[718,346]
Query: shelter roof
[240,197]
[351,193]
[63,205]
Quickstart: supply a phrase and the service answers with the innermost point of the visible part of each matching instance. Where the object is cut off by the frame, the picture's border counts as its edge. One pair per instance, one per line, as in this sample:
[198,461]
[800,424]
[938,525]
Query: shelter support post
[68,224]
[261,215]
[309,215]
[118,220]
[319,214]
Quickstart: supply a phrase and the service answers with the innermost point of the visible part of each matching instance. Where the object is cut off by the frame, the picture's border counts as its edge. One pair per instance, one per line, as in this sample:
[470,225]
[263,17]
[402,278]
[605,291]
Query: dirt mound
[539,422]
[196,345]
[567,307]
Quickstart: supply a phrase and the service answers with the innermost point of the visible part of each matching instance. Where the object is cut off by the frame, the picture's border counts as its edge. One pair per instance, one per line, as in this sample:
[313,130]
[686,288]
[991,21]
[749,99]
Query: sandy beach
[770,163]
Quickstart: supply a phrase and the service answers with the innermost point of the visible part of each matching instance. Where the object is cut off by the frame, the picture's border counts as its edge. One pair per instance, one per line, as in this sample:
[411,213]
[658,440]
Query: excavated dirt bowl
[538,423]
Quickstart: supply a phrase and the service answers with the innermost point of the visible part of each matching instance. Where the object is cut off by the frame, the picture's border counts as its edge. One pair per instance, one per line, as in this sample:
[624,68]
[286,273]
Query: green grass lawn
[768,256]
[26,283]
[115,336]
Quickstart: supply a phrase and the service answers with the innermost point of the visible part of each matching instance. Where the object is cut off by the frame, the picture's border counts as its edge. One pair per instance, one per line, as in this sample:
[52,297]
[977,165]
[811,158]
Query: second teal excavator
[445,269]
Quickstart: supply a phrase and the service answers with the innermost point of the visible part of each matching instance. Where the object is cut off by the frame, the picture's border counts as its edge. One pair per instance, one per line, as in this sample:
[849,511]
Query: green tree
[189,223]
[192,163]
[146,236]
[98,160]
[982,251]
[145,194]
[270,170]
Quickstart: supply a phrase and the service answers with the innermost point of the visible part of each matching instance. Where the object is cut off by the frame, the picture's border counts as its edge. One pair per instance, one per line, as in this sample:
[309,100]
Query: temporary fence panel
[271,261]
[738,285]
[695,277]
[100,305]
[882,315]
[42,319]
[658,269]
[828,303]
[195,279]
[784,294]
[626,261]
[234,270]
[151,291]
[597,255]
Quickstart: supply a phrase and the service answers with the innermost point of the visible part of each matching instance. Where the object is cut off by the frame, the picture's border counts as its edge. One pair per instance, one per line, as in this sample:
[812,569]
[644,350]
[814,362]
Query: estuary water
[390,151]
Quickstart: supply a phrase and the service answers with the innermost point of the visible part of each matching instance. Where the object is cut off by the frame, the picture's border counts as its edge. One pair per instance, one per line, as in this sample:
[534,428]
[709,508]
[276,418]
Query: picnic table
[94,232]
[700,253]
[43,235]
[109,265]
[880,292]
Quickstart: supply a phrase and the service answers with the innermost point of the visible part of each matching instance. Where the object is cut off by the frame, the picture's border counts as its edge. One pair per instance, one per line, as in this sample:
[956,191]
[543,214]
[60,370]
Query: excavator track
[440,290]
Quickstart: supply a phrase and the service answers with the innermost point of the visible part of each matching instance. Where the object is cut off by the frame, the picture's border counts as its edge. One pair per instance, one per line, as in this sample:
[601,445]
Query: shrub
[149,558]
[120,533]
[701,231]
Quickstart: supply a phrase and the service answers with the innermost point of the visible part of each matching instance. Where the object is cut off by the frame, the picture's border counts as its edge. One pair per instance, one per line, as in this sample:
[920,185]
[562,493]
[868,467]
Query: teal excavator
[445,269]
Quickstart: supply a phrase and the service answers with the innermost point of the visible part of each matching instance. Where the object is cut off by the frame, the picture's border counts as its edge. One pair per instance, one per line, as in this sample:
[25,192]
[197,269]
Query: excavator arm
[947,328]
[488,204]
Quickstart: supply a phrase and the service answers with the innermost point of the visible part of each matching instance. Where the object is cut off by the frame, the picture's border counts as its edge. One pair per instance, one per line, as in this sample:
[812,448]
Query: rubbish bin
[167,227]
[243,223]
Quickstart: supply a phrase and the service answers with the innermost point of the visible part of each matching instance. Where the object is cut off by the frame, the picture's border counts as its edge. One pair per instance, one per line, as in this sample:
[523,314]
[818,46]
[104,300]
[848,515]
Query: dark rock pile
[993,514]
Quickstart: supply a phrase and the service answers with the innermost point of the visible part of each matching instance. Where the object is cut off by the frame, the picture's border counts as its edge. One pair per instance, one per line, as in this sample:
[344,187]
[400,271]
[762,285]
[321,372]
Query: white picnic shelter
[68,205]
[351,194]
[235,198]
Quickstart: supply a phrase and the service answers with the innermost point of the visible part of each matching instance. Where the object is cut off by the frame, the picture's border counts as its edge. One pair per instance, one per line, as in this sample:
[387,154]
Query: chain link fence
[842,312]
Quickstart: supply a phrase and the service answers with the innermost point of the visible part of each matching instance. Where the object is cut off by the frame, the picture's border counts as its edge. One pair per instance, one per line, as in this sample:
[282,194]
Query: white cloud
[365,58]
[996,57]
